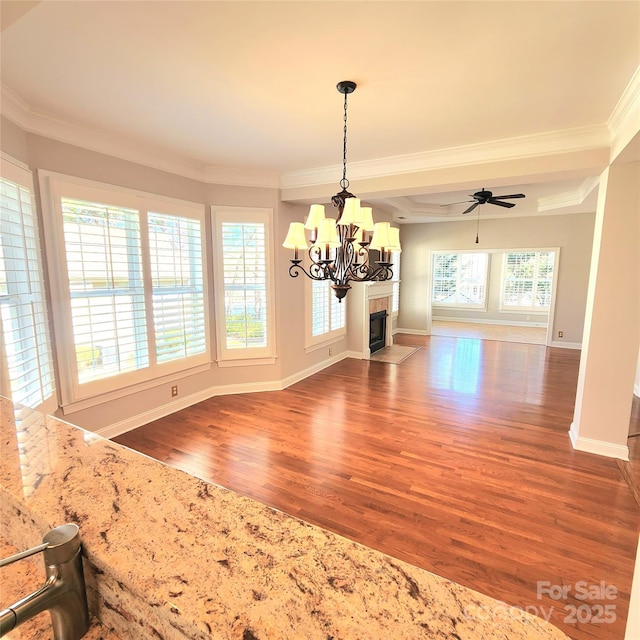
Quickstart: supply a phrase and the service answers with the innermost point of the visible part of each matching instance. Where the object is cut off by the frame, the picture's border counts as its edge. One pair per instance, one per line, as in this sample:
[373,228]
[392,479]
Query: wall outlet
[330,351]
[174,390]
[560,334]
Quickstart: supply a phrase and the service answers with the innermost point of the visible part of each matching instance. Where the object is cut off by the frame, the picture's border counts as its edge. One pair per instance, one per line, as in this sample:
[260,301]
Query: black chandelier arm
[366,272]
[315,271]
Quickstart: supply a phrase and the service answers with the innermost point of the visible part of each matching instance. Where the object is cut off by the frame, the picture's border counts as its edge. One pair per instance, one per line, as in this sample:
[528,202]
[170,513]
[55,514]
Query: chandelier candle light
[339,248]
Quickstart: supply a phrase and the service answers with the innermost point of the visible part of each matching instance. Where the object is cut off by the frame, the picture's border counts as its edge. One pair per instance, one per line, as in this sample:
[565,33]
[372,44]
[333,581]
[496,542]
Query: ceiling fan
[482,197]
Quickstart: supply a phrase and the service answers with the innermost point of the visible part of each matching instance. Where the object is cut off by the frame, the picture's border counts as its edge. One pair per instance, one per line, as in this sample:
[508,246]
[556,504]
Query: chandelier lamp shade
[339,249]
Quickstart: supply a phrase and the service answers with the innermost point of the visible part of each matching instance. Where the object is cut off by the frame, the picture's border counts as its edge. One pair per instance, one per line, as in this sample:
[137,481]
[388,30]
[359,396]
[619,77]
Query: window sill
[460,307]
[246,362]
[525,311]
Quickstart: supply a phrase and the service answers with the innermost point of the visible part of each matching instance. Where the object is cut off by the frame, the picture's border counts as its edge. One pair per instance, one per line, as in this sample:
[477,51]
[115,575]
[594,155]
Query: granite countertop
[171,556]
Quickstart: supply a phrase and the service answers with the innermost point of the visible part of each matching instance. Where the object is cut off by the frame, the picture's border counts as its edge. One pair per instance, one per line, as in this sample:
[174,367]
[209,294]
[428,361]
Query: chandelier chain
[344,183]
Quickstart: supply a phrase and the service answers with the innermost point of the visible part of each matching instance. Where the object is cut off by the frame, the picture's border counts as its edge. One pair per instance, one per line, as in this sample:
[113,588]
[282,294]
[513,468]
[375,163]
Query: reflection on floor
[504,333]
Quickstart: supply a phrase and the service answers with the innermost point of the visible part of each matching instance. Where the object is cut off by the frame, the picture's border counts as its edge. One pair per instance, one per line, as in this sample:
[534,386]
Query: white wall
[573,234]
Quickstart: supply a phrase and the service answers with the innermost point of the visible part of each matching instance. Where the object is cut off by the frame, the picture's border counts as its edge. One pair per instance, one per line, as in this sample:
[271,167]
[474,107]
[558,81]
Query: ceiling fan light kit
[339,247]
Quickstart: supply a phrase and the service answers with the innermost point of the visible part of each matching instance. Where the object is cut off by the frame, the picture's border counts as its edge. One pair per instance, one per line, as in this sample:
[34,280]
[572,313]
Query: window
[131,277]
[243,285]
[395,279]
[26,364]
[460,280]
[527,280]
[326,314]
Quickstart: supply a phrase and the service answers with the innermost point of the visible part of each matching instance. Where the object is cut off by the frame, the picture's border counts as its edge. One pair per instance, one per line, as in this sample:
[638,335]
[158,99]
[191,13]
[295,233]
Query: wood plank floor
[484,331]
[457,460]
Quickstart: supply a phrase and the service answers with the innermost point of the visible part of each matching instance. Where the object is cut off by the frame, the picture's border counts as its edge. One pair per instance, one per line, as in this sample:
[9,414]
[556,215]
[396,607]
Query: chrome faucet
[63,594]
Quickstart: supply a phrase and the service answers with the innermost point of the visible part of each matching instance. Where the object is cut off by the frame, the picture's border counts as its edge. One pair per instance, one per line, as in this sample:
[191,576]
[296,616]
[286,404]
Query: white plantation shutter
[328,317]
[25,332]
[460,279]
[104,264]
[244,295]
[130,275]
[320,316]
[395,278]
[337,311]
[527,280]
[175,248]
[245,284]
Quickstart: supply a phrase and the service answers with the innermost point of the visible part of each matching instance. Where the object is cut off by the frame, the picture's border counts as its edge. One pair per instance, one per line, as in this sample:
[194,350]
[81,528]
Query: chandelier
[340,248]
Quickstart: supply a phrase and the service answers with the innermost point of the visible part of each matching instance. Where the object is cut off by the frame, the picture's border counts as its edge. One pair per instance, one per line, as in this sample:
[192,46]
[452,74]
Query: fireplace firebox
[377,330]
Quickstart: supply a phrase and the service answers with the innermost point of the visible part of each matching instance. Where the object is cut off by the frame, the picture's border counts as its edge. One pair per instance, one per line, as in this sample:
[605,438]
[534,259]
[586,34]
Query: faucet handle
[59,544]
[23,554]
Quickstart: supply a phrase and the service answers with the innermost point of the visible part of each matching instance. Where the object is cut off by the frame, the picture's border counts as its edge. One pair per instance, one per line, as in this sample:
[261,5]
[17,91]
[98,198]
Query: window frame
[459,305]
[313,343]
[19,174]
[227,357]
[76,396]
[395,280]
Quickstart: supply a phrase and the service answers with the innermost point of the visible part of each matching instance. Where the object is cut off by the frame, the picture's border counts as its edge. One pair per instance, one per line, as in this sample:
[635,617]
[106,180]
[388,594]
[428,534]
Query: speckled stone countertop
[170,556]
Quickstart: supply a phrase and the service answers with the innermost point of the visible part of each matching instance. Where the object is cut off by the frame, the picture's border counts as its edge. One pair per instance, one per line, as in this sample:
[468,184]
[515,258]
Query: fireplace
[377,330]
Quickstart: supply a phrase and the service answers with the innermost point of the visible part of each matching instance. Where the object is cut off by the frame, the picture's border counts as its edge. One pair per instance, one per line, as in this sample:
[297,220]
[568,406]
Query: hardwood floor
[456,460]
[485,331]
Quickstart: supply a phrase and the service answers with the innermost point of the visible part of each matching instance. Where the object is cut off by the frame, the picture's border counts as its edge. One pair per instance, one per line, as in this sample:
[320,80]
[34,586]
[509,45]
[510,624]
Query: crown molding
[507,149]
[568,198]
[39,122]
[624,122]
[626,106]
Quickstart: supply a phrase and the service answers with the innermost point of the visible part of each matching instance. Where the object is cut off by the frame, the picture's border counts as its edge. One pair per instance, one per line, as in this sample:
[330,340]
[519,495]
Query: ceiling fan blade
[471,208]
[501,204]
[515,195]
[452,203]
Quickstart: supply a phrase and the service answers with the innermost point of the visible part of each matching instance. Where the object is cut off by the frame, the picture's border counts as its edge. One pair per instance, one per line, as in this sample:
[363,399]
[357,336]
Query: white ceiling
[250,86]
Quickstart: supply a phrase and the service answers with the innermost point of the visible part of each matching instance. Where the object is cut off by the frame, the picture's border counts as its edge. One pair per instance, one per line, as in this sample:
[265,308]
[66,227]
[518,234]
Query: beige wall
[13,140]
[572,233]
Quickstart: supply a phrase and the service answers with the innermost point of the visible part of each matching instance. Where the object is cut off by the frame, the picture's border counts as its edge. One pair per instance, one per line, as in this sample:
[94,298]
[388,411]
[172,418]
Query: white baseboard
[566,345]
[413,332]
[309,371]
[599,447]
[504,323]
[140,419]
[145,417]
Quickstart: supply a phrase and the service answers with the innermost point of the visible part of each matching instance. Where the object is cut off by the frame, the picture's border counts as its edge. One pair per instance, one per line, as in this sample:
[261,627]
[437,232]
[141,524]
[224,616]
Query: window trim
[458,306]
[395,281]
[73,395]
[253,355]
[19,173]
